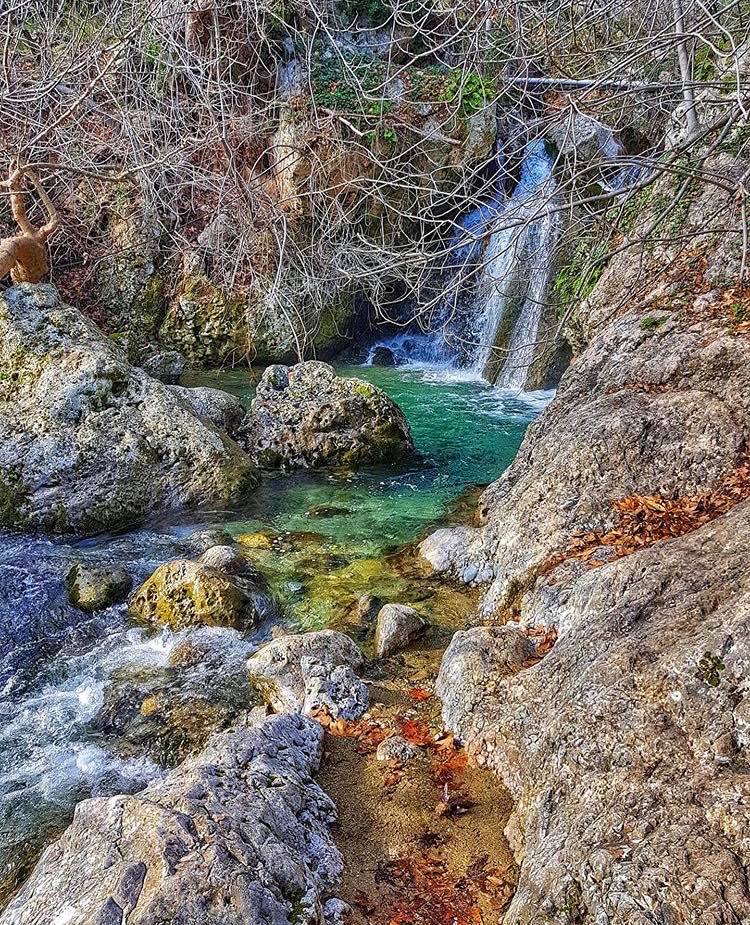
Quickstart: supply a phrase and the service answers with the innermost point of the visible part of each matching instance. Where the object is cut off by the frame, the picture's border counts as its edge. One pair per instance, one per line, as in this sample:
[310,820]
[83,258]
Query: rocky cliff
[609,689]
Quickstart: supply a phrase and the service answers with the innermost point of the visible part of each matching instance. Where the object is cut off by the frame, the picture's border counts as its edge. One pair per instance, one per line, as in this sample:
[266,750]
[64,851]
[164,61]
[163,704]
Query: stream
[321,539]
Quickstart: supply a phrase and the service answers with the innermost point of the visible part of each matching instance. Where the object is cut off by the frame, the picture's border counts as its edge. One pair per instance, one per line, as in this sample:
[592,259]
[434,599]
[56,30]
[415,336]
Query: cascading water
[499,255]
[516,271]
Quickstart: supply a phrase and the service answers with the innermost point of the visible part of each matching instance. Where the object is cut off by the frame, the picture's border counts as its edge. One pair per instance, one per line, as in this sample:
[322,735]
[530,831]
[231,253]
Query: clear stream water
[58,667]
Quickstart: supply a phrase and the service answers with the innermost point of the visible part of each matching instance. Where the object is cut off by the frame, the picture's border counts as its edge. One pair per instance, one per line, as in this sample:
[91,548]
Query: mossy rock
[91,589]
[184,593]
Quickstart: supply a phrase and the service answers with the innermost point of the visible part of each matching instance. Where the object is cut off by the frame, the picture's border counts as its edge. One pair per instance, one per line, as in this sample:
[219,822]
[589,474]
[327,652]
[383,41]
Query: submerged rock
[184,593]
[239,833]
[305,416]
[396,627]
[383,356]
[91,589]
[311,673]
[88,441]
[219,408]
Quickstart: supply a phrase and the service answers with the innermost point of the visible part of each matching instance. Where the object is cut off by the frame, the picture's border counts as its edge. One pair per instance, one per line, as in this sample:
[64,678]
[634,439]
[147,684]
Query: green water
[466,433]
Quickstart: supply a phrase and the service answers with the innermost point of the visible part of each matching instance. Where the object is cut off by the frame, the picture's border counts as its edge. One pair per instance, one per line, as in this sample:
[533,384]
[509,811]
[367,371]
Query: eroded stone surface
[397,626]
[311,673]
[88,441]
[305,416]
[184,593]
[626,745]
[236,836]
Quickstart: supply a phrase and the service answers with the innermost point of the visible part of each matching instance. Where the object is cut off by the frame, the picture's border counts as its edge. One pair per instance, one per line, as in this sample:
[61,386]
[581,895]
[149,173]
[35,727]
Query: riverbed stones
[397,625]
[396,748]
[237,834]
[311,673]
[92,588]
[88,441]
[305,416]
[184,593]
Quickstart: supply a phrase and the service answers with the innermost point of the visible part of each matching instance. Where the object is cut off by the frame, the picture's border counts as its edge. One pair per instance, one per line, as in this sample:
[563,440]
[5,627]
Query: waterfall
[516,273]
[493,281]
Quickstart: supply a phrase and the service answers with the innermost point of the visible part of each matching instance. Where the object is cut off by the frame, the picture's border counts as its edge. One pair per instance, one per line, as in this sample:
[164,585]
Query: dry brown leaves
[429,894]
[643,520]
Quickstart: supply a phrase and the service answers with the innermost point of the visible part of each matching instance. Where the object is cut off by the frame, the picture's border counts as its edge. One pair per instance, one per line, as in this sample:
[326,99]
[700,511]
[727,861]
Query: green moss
[652,322]
[12,501]
[148,307]
[576,279]
[365,390]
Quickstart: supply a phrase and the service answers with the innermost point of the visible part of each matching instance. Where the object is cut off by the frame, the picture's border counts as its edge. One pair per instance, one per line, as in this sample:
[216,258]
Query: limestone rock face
[474,661]
[311,673]
[397,625]
[626,747]
[219,408]
[620,723]
[236,836]
[184,593]
[643,411]
[88,441]
[305,416]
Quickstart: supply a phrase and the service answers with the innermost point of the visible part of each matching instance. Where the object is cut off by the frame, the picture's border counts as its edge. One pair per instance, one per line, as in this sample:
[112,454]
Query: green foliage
[471,91]
[709,669]
[652,322]
[704,65]
[577,278]
[375,11]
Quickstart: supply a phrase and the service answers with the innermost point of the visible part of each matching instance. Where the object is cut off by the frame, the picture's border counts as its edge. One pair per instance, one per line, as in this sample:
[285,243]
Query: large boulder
[88,441]
[235,836]
[311,673]
[305,416]
[626,746]
[185,593]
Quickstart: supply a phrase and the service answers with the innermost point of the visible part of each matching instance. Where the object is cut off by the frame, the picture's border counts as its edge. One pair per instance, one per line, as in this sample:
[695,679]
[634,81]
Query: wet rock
[397,626]
[383,356]
[91,588]
[225,559]
[237,834]
[184,593]
[396,748]
[166,366]
[202,540]
[310,672]
[89,442]
[364,610]
[219,408]
[305,416]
